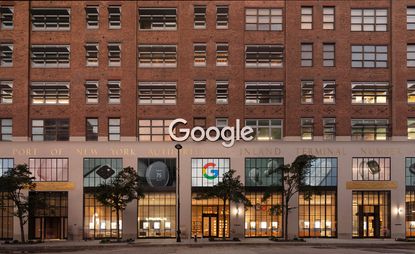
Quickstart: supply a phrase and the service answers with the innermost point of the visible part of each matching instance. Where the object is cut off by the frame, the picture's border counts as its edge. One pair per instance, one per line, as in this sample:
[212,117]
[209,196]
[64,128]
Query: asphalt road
[252,249]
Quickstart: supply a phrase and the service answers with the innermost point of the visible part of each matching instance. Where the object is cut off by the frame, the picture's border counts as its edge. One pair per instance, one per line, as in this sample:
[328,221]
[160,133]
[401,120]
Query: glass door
[210,225]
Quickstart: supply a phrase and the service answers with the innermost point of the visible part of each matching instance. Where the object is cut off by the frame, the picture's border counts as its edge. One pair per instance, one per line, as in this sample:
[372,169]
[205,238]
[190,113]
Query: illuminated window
[6,91]
[199,54]
[91,129]
[265,129]
[411,91]
[328,17]
[411,128]
[370,129]
[307,128]
[49,169]
[306,17]
[49,93]
[307,91]
[371,169]
[410,213]
[329,92]
[370,92]
[222,54]
[50,130]
[207,172]
[157,56]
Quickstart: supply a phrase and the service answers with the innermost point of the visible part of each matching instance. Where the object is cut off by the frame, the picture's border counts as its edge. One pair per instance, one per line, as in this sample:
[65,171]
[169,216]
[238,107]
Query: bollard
[195,238]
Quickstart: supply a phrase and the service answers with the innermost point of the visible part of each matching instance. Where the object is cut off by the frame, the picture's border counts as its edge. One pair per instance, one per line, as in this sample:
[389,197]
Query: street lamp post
[178,232]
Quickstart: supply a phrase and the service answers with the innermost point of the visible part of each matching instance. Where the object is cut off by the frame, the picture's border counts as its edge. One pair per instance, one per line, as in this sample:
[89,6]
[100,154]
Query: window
[265,129]
[50,130]
[91,129]
[157,56]
[222,54]
[200,16]
[410,22]
[114,54]
[307,128]
[257,172]
[409,175]
[6,129]
[410,55]
[264,56]
[6,55]
[329,54]
[317,214]
[114,91]
[157,19]
[51,56]
[157,214]
[328,17]
[91,50]
[369,20]
[6,215]
[261,92]
[329,92]
[409,215]
[154,130]
[222,19]
[114,129]
[371,169]
[370,129]
[212,173]
[322,172]
[114,17]
[5,165]
[369,56]
[329,129]
[199,54]
[50,93]
[92,17]
[6,17]
[91,91]
[306,54]
[51,19]
[370,92]
[411,128]
[306,17]
[199,91]
[221,122]
[411,91]
[222,93]
[307,91]
[259,222]
[157,93]
[263,19]
[6,91]
[49,169]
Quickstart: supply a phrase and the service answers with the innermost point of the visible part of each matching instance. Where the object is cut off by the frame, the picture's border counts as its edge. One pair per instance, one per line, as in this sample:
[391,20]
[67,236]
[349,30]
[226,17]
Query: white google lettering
[228,134]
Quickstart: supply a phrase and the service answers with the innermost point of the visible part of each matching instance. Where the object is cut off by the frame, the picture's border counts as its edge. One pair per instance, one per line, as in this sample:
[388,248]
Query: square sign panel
[207,172]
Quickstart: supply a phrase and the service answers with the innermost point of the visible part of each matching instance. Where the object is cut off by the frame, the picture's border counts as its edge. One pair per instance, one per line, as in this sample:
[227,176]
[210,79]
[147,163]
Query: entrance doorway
[210,225]
[371,214]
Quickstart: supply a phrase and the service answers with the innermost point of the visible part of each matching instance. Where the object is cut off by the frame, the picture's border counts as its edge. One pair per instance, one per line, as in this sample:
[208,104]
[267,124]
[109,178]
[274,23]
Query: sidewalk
[59,246]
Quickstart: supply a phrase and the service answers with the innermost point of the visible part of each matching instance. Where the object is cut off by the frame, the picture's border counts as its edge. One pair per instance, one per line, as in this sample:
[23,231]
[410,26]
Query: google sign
[228,134]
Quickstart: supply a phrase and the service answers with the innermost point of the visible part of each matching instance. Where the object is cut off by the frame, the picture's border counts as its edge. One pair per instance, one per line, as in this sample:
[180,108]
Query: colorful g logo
[213,173]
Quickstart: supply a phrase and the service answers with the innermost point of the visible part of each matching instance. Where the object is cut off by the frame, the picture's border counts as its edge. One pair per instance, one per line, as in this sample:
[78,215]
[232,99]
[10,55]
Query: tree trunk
[286,210]
[118,224]
[22,236]
[224,220]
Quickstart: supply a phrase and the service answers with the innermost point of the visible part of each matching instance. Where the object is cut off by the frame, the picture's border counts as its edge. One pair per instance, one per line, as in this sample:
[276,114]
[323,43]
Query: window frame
[275,88]
[362,23]
[362,57]
[305,22]
[114,129]
[6,91]
[150,87]
[6,123]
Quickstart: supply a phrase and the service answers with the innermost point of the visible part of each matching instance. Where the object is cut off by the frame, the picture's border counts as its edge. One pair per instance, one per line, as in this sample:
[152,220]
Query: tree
[13,182]
[293,180]
[120,191]
[229,189]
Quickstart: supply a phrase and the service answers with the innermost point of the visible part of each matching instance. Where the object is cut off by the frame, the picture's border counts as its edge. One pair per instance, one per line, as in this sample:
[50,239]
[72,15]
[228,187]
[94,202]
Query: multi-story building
[90,87]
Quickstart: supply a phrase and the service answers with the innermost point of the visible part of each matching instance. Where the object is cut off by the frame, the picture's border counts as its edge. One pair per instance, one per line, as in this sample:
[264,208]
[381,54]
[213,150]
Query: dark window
[199,91]
[54,56]
[91,129]
[50,130]
[329,92]
[114,54]
[157,19]
[114,17]
[200,16]
[157,93]
[91,91]
[6,55]
[92,17]
[222,16]
[263,171]
[51,19]
[264,56]
[6,17]
[114,129]
[6,216]
[329,129]
[307,91]
[263,92]
[50,92]
[6,91]
[157,56]
[370,129]
[114,91]
[222,91]
[222,54]
[410,172]
[6,129]
[91,50]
